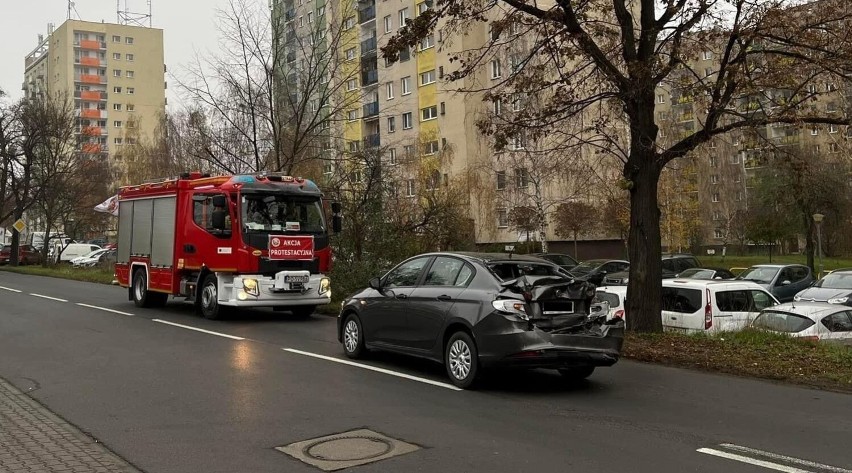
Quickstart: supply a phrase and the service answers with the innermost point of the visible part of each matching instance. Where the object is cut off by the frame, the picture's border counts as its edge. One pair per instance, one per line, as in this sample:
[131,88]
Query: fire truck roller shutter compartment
[125,227]
[163,240]
[142,225]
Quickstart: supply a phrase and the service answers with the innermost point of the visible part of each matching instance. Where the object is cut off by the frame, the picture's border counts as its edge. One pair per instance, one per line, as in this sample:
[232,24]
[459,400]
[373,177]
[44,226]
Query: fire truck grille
[270,267]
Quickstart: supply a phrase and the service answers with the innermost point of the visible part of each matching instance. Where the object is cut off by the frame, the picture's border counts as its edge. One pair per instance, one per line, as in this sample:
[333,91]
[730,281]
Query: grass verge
[749,353]
[98,275]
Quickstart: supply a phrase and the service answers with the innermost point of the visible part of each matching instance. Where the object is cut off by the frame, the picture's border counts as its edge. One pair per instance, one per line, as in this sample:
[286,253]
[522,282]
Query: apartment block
[115,76]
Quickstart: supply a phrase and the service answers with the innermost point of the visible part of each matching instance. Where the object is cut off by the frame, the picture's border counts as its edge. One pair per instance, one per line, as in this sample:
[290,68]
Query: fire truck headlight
[325,286]
[250,286]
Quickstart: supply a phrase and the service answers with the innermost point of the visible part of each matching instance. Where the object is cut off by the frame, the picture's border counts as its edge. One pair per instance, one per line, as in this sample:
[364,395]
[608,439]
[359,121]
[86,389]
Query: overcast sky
[188,25]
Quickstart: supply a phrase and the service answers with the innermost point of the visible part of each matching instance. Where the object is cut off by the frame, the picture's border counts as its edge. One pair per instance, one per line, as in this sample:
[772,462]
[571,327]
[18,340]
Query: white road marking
[48,297]
[752,461]
[9,289]
[784,458]
[232,337]
[373,368]
[104,309]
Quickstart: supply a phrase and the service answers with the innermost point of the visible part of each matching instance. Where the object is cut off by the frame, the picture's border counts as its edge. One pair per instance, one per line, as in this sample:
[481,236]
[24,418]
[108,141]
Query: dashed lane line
[105,309]
[769,460]
[9,289]
[373,368]
[752,461]
[189,327]
[48,297]
[784,458]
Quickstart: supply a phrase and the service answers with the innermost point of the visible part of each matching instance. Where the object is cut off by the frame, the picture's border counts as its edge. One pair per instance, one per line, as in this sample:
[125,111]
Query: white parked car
[693,305]
[810,320]
[89,259]
[75,250]
[616,297]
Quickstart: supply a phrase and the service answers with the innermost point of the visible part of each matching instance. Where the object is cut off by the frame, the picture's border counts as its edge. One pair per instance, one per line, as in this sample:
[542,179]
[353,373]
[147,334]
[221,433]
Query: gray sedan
[473,310]
[783,281]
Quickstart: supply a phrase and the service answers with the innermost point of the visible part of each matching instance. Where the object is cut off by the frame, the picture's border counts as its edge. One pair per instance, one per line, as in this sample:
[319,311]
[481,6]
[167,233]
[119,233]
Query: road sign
[283,247]
[19,225]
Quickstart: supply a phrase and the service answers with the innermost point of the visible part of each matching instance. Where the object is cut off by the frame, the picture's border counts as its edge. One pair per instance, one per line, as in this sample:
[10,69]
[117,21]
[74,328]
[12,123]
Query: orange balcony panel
[90,113]
[90,79]
[90,95]
[91,131]
[89,44]
[90,61]
[91,148]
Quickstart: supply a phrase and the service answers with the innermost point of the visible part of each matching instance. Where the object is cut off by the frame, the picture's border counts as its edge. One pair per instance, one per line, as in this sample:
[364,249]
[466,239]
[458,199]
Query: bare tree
[609,59]
[574,219]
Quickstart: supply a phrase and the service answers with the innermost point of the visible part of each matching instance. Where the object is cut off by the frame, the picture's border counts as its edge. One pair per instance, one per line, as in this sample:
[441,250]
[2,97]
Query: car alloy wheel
[350,335]
[460,360]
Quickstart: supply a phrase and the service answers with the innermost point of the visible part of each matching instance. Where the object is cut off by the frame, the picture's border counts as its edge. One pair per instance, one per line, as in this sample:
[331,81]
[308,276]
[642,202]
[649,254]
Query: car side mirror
[376,284]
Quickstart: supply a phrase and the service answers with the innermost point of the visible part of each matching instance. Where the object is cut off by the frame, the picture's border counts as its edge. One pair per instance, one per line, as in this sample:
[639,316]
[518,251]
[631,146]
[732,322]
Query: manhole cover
[347,449]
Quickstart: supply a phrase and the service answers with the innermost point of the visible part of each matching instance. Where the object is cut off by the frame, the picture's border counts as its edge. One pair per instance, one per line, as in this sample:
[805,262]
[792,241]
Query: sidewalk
[33,439]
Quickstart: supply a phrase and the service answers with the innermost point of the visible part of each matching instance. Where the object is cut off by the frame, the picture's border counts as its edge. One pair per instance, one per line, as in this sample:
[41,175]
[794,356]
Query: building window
[832,128]
[501,180]
[429,113]
[502,218]
[116,39]
[131,107]
[717,215]
[735,158]
[498,106]
[116,72]
[833,148]
[739,196]
[714,179]
[351,84]
[301,21]
[328,169]
[349,23]
[406,121]
[661,98]
[131,90]
[708,55]
[718,233]
[406,85]
[352,115]
[116,90]
[130,74]
[427,42]
[518,142]
[310,17]
[350,54]
[117,141]
[422,7]
[408,151]
[131,141]
[518,102]
[392,156]
[715,197]
[495,69]
[430,148]
[410,188]
[391,124]
[814,130]
[129,57]
[522,178]
[117,124]
[128,40]
[389,90]
[116,107]
[427,77]
[116,56]
[708,72]
[353,146]
[403,17]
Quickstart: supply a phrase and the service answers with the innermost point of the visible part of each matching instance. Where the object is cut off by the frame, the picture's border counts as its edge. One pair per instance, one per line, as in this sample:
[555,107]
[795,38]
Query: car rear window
[508,271]
[782,321]
[612,299]
[682,300]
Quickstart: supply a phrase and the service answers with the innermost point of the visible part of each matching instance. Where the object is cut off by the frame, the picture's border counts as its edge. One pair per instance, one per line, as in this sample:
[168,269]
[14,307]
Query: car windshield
[759,275]
[782,321]
[836,281]
[507,271]
[561,260]
[93,254]
[696,273]
[280,213]
[587,266]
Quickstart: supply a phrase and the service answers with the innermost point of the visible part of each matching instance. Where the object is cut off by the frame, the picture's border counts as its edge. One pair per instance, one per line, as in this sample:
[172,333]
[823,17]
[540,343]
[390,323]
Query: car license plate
[296,279]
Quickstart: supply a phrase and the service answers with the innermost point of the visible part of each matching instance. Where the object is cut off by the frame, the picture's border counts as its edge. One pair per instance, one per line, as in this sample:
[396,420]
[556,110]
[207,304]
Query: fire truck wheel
[303,311]
[209,296]
[142,297]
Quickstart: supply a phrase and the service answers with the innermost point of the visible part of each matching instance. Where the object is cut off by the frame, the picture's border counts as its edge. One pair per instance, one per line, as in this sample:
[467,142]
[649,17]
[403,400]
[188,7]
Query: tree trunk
[644,243]
[16,240]
[809,241]
[575,246]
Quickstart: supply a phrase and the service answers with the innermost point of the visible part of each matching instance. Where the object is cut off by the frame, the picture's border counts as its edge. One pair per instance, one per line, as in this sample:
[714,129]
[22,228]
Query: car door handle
[444,297]
[674,318]
[401,296]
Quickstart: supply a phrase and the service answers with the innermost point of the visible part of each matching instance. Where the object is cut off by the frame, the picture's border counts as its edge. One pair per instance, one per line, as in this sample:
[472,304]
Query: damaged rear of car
[549,322]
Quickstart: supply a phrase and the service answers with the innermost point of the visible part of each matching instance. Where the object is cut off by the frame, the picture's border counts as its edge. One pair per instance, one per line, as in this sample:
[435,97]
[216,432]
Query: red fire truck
[226,241]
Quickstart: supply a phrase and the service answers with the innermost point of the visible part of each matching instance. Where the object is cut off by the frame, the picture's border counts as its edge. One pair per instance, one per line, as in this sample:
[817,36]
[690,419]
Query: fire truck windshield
[274,213]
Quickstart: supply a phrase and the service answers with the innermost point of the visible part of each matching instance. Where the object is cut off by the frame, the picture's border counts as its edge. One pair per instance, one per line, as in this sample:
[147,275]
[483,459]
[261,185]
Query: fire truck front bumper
[287,288]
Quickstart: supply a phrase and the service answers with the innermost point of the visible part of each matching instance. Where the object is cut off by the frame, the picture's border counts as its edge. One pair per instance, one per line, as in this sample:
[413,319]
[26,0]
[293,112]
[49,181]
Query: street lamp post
[818,220]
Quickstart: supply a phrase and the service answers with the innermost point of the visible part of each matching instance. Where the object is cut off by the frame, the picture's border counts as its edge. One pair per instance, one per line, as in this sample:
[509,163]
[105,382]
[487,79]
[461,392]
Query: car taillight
[619,314]
[708,312]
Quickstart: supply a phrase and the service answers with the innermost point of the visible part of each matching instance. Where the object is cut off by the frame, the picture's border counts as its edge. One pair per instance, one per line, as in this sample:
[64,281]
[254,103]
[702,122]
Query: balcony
[92,131]
[372,141]
[92,95]
[89,44]
[370,110]
[368,46]
[90,79]
[367,13]
[90,113]
[369,76]
[91,148]
[89,61]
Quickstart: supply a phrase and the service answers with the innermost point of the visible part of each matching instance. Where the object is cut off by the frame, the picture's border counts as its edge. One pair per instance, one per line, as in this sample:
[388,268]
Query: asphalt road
[172,399]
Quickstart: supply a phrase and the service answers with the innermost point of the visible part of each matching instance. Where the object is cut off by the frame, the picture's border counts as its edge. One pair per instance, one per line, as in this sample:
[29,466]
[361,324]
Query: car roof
[621,290]
[710,283]
[491,257]
[774,265]
[813,310]
[604,260]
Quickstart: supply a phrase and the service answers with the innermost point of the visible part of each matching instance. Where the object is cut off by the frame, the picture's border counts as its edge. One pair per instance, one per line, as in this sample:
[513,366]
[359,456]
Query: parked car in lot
[470,311]
[811,320]
[673,264]
[783,281]
[616,297]
[27,254]
[693,305]
[706,273]
[596,270]
[566,262]
[75,250]
[90,259]
[834,288]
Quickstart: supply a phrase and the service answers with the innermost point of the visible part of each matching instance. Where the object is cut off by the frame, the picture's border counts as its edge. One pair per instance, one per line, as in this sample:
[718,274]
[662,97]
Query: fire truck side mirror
[336,207]
[336,223]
